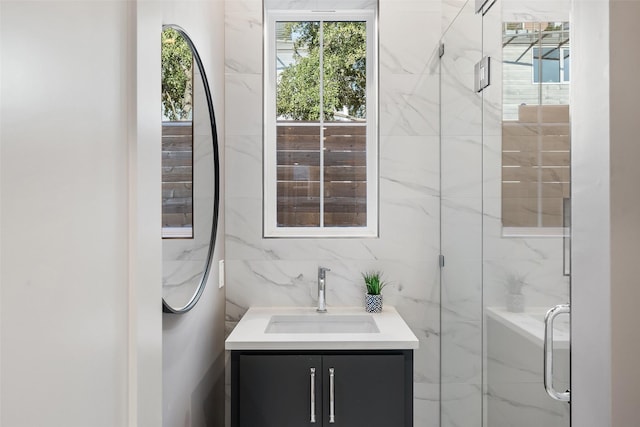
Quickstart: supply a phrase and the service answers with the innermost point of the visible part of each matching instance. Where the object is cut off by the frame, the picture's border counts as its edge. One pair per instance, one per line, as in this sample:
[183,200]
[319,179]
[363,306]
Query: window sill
[313,232]
[177,232]
[535,232]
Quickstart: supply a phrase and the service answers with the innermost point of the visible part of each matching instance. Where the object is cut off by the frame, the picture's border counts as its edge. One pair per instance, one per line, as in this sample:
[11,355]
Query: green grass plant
[373,281]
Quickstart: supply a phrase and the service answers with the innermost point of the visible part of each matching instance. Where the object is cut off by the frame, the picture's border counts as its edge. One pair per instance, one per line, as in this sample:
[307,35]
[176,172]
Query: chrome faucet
[322,301]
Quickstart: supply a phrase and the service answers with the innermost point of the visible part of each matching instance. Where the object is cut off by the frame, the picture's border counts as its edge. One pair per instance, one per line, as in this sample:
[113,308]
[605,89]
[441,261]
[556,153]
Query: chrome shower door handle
[332,396]
[312,373]
[548,352]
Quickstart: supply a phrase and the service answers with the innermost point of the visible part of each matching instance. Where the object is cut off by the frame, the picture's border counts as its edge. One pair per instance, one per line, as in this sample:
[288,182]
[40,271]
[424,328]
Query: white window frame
[270,228]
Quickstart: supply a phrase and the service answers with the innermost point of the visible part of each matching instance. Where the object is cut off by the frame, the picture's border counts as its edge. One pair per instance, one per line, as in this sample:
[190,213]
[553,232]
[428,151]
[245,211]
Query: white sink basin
[322,323]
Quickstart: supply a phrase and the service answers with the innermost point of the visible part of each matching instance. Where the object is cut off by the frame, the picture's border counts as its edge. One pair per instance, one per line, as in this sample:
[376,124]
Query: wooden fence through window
[343,169]
[177,174]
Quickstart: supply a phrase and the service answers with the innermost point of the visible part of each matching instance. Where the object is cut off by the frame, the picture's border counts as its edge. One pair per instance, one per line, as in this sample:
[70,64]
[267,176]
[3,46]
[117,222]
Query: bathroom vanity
[296,367]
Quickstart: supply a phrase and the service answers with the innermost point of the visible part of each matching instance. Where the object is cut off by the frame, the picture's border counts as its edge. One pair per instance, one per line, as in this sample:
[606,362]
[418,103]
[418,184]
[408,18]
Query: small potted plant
[515,298]
[373,298]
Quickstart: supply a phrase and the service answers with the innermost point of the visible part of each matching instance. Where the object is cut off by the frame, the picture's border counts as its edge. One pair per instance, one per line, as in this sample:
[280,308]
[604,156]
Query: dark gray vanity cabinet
[324,389]
[273,390]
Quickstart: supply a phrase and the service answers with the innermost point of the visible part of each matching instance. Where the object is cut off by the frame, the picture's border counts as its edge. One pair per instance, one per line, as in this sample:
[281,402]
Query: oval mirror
[190,173]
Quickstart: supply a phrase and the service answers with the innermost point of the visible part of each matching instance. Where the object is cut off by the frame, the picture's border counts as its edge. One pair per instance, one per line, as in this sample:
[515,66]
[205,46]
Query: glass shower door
[505,215]
[526,217]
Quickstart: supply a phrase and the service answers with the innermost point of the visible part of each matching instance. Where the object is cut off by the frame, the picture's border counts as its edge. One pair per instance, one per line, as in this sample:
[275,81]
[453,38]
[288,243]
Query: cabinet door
[275,390]
[368,391]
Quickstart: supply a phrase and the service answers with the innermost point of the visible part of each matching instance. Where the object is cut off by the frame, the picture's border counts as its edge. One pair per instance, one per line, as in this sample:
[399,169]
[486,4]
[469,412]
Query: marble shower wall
[461,145]
[282,272]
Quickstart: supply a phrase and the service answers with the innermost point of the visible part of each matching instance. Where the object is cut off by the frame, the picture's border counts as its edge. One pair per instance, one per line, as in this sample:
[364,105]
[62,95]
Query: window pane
[298,189]
[177,177]
[345,71]
[345,176]
[567,65]
[550,60]
[298,71]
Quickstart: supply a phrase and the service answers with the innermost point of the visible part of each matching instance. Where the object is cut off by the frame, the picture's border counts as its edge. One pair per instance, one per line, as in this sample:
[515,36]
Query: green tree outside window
[343,54]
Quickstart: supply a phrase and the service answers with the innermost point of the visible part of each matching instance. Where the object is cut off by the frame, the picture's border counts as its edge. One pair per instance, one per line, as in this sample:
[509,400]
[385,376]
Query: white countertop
[250,333]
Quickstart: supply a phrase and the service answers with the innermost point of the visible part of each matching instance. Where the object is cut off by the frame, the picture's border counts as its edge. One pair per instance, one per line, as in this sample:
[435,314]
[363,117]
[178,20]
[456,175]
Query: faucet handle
[322,271]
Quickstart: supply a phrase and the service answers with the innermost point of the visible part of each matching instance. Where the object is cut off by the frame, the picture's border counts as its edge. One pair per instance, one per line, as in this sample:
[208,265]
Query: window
[551,65]
[320,124]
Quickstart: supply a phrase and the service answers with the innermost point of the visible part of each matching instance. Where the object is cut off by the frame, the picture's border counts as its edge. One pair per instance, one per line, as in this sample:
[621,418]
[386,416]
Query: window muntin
[320,125]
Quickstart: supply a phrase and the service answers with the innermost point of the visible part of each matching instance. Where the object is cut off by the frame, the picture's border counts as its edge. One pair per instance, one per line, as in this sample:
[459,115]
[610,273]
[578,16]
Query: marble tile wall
[461,145]
[283,271]
[515,391]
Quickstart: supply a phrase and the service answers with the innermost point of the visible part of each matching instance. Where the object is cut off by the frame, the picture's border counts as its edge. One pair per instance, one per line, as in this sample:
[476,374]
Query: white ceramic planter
[373,303]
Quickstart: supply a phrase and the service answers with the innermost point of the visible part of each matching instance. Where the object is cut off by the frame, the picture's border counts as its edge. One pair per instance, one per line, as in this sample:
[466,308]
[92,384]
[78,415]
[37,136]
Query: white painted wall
[81,254]
[192,343]
[606,212]
[80,295]
[591,220]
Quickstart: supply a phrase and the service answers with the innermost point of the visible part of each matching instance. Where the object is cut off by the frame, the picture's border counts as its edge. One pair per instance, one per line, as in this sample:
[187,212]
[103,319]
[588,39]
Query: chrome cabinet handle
[312,373]
[548,352]
[332,402]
